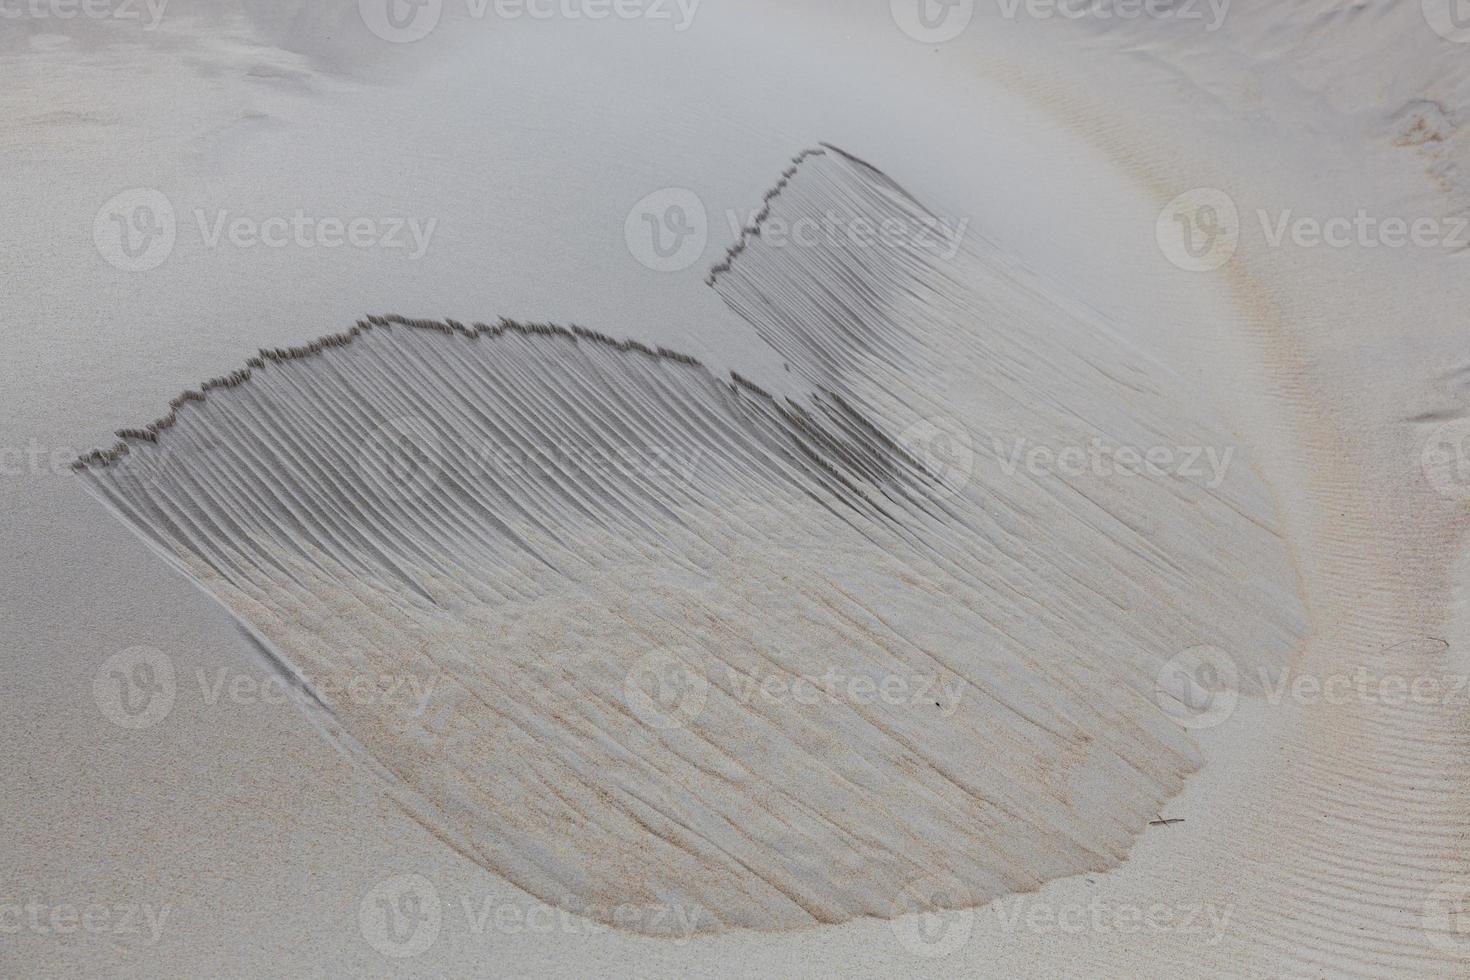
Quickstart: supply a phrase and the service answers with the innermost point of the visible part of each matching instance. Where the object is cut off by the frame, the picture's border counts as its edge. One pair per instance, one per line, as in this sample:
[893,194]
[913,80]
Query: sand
[220,829]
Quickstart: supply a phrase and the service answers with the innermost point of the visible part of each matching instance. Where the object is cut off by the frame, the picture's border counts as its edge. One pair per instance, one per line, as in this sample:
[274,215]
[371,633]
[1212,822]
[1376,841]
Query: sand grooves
[674,654]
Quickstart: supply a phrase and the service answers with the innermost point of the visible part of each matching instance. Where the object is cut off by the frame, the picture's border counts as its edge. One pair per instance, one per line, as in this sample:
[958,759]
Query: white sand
[1322,838]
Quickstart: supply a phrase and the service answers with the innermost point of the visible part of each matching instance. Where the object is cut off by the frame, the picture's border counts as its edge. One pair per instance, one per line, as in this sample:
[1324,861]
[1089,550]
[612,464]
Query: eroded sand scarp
[632,634]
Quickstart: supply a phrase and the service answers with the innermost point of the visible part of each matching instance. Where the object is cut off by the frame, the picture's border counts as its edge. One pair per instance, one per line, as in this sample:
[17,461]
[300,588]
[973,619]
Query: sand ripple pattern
[765,662]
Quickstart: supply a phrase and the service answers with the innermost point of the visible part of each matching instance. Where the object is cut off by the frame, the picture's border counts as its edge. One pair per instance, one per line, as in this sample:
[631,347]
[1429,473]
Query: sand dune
[1021,534]
[375,505]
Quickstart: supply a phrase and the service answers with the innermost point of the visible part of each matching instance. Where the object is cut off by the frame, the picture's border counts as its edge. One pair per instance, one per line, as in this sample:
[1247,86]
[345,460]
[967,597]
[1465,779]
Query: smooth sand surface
[1323,829]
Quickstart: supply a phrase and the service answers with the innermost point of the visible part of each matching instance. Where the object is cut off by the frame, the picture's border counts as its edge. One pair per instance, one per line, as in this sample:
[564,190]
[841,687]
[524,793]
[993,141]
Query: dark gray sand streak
[598,556]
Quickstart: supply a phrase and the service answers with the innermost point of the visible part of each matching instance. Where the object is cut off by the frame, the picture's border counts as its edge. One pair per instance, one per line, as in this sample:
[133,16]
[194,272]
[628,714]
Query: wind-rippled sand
[353,503]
